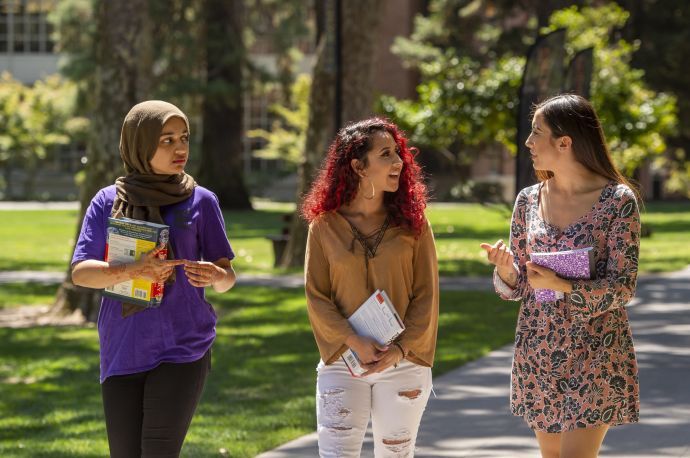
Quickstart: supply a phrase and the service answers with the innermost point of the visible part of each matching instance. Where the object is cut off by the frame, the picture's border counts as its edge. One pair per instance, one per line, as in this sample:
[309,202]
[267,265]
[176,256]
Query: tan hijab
[141,192]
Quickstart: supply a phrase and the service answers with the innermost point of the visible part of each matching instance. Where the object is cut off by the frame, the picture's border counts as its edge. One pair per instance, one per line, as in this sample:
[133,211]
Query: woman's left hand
[391,357]
[542,278]
[201,273]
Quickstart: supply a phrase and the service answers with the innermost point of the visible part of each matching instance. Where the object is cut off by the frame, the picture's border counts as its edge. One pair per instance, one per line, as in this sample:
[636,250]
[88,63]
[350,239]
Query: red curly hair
[337,182]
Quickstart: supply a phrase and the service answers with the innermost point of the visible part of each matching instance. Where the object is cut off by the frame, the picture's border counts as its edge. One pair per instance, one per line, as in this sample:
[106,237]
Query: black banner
[543,77]
[579,77]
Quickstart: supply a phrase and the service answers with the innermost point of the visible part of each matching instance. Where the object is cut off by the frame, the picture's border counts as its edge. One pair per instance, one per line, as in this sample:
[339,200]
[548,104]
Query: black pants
[147,414]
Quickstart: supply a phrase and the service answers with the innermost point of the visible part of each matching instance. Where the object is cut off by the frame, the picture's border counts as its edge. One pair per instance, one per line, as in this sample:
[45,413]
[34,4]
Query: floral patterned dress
[574,364]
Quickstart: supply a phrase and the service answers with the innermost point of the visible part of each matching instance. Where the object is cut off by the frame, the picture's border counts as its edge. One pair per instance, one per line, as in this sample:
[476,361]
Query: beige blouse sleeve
[421,319]
[330,327]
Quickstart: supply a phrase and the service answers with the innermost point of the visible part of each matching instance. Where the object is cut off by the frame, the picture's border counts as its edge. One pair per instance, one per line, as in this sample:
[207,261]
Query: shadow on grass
[461,267]
[15,294]
[32,264]
[253,223]
[51,396]
[663,264]
[658,227]
[260,392]
[464,232]
[666,207]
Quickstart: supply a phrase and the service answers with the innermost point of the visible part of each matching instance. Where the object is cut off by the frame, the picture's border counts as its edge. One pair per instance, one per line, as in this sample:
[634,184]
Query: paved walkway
[470,417]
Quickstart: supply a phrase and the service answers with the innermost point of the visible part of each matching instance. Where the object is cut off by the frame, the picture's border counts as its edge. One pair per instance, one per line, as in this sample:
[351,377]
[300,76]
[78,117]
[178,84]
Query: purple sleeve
[92,238]
[212,237]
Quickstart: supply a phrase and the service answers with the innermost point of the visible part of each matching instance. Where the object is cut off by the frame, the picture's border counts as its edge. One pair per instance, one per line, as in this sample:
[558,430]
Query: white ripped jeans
[394,399]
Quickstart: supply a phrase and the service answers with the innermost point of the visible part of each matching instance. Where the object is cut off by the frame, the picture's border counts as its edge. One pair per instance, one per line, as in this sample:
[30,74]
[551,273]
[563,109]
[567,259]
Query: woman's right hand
[498,254]
[367,349]
[151,267]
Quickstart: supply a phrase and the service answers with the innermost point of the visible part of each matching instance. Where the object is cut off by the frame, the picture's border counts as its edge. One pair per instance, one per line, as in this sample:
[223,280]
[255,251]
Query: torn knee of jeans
[339,427]
[333,408]
[332,392]
[399,444]
[410,394]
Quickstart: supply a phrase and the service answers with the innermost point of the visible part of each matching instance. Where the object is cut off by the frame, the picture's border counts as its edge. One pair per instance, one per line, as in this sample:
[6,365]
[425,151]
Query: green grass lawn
[18,294]
[41,240]
[260,392]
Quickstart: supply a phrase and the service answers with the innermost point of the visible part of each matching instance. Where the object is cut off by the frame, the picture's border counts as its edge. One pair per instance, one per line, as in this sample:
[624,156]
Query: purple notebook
[570,264]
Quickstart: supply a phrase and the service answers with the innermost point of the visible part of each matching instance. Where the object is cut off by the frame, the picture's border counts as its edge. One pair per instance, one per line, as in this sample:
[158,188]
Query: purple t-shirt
[182,329]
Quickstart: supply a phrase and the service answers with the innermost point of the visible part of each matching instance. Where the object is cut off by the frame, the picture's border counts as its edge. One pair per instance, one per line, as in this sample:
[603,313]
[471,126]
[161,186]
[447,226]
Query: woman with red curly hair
[368,231]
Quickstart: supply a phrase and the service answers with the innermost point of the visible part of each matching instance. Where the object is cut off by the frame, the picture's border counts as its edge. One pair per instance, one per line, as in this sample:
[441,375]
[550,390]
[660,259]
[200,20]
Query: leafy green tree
[33,121]
[636,119]
[466,104]
[662,29]
[286,23]
[286,139]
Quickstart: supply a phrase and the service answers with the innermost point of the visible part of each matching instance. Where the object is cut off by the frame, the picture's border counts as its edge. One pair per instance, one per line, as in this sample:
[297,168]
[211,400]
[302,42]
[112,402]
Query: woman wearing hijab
[154,361]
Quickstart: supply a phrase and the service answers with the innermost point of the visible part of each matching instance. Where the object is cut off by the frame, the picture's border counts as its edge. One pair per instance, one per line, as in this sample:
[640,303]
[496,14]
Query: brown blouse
[337,281]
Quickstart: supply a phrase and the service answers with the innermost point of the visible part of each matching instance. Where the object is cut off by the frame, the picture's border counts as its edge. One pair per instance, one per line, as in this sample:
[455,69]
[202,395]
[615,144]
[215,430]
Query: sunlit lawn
[17,294]
[260,392]
[41,240]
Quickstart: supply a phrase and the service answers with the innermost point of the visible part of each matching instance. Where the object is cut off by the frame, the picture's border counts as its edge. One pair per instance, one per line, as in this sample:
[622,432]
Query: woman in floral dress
[574,370]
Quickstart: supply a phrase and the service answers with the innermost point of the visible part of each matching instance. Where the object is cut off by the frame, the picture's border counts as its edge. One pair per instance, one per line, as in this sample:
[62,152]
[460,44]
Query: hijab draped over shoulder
[141,192]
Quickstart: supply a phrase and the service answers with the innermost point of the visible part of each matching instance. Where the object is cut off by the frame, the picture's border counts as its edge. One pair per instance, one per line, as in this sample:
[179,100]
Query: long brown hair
[574,116]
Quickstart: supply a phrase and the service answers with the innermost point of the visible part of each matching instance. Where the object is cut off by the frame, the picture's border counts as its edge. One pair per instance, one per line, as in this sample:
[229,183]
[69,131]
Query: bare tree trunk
[356,61]
[123,78]
[221,167]
[359,33]
[319,133]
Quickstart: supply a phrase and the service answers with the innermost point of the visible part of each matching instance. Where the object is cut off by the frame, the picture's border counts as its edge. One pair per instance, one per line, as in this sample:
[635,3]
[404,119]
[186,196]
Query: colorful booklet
[570,264]
[128,240]
[375,318]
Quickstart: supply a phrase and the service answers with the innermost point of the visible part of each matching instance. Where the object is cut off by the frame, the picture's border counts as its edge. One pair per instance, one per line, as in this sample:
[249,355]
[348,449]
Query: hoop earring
[359,189]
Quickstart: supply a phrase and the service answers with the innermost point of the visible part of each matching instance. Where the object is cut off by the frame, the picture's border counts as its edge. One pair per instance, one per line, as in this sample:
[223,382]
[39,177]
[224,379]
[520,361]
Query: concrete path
[470,417]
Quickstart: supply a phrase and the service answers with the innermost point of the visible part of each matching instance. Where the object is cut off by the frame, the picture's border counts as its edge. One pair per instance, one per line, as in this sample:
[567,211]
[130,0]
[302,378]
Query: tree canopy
[466,101]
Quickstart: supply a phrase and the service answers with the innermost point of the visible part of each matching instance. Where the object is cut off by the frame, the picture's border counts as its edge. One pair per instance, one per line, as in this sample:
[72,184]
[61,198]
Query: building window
[24,28]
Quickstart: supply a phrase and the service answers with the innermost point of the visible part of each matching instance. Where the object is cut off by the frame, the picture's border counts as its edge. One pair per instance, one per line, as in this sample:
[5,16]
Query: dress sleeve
[590,298]
[421,317]
[330,327]
[518,246]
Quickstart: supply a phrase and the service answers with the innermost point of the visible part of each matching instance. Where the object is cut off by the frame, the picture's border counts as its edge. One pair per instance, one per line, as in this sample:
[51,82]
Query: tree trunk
[355,60]
[123,75]
[221,146]
[359,32]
